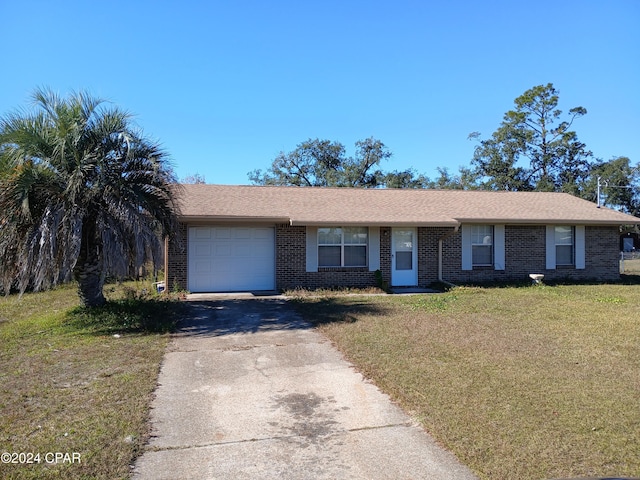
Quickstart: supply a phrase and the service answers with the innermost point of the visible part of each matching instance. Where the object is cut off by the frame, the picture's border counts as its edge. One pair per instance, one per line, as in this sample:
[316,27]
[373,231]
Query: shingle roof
[356,206]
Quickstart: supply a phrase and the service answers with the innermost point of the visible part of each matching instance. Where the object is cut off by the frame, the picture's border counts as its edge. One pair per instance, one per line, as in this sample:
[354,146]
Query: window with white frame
[482,245]
[564,239]
[342,246]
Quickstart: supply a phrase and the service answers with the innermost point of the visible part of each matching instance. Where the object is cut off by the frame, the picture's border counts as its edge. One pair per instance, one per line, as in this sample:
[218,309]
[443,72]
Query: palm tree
[83,195]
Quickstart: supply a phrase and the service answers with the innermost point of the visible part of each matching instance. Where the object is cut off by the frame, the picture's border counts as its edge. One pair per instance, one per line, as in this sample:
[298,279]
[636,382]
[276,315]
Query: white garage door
[225,259]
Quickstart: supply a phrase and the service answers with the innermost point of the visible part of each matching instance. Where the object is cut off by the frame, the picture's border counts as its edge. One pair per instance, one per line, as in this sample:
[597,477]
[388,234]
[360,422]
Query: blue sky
[226,85]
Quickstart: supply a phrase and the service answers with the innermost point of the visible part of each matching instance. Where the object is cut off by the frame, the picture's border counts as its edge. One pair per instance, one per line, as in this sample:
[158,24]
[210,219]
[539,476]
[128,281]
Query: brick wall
[385,254]
[176,274]
[428,253]
[602,253]
[291,265]
[524,254]
[291,259]
[525,248]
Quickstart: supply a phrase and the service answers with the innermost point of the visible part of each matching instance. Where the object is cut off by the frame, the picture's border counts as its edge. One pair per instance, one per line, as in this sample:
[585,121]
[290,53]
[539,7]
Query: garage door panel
[261,251]
[202,249]
[263,233]
[222,250]
[231,258]
[242,250]
[222,233]
[203,233]
[203,267]
[242,234]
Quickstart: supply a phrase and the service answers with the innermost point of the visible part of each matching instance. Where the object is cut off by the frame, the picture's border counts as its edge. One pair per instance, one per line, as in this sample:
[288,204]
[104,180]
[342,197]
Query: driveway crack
[149,448]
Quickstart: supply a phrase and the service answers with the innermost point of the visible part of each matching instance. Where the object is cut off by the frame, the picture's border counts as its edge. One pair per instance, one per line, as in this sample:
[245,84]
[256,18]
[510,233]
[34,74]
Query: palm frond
[83,192]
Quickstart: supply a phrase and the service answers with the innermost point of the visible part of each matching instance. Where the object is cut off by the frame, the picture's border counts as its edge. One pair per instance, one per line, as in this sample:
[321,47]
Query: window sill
[343,269]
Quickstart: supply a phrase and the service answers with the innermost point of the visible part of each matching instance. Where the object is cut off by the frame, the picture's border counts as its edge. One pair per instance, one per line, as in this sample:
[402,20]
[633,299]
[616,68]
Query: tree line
[534,149]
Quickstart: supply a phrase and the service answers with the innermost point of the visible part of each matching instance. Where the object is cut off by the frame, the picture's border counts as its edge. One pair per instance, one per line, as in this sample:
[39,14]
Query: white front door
[404,258]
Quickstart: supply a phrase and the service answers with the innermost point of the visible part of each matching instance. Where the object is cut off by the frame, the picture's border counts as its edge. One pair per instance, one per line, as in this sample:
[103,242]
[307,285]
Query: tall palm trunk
[89,269]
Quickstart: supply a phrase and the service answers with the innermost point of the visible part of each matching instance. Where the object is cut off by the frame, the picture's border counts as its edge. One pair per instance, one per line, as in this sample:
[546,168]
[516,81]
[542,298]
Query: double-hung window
[342,246]
[482,245]
[564,239]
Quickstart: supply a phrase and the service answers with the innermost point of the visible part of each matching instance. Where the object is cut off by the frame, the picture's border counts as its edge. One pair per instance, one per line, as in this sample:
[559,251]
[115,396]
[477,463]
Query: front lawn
[529,382]
[76,384]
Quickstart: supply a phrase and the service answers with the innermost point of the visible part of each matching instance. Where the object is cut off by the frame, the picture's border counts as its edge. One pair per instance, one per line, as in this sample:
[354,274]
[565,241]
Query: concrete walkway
[249,391]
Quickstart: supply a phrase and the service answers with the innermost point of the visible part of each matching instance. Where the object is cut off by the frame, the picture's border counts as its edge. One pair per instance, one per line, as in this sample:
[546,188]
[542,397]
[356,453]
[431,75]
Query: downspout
[440,243]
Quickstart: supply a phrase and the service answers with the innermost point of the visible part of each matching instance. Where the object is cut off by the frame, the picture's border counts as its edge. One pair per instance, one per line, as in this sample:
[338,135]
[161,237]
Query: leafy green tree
[495,161]
[359,170]
[466,179]
[314,163]
[83,195]
[534,148]
[404,179]
[619,185]
[322,163]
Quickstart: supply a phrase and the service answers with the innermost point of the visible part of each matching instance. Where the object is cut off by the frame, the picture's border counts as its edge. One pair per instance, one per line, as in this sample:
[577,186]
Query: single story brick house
[250,238]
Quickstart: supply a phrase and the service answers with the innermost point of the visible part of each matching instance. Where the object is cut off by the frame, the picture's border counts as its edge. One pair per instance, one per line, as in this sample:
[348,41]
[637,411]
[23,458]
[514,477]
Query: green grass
[519,382]
[79,381]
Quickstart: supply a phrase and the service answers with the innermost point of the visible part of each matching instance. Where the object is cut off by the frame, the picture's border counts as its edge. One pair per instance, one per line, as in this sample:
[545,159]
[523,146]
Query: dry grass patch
[79,381]
[332,292]
[631,266]
[534,382]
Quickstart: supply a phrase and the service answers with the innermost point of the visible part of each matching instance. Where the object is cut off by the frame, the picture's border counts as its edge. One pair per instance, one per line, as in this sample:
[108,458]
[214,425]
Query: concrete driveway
[248,390]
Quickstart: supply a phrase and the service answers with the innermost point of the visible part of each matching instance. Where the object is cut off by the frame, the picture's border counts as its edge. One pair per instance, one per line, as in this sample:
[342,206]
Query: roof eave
[547,221]
[230,219]
[372,223]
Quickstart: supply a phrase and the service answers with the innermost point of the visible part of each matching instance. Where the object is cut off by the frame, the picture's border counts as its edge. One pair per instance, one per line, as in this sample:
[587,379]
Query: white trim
[579,246]
[551,247]
[374,249]
[498,247]
[467,257]
[343,246]
[312,249]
